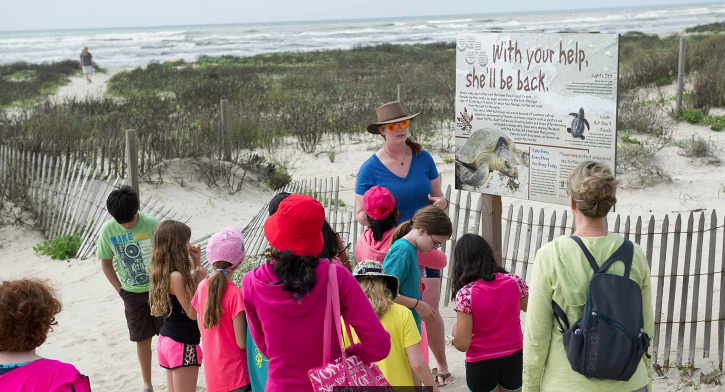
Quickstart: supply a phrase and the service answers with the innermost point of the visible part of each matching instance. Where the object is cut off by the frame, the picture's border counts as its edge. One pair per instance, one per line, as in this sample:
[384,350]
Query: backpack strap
[560,317]
[625,253]
[590,258]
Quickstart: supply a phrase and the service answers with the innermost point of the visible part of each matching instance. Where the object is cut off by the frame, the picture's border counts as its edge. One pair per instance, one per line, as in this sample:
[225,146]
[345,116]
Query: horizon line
[365,19]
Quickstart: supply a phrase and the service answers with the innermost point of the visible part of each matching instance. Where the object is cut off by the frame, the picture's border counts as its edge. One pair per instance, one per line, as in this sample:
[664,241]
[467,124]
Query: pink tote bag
[344,371]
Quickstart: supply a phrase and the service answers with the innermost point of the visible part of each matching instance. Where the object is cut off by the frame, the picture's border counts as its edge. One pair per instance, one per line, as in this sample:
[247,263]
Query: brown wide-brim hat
[389,113]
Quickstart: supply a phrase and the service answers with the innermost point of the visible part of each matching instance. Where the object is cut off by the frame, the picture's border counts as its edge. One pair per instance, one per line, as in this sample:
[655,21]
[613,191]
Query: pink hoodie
[289,332]
[45,375]
[367,248]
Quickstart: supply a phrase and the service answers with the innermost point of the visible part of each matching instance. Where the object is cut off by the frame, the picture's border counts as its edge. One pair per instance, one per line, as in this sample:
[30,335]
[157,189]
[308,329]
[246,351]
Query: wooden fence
[67,194]
[688,296]
[108,155]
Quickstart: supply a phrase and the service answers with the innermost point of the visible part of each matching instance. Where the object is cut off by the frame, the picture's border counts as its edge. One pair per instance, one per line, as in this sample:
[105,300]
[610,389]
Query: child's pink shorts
[173,354]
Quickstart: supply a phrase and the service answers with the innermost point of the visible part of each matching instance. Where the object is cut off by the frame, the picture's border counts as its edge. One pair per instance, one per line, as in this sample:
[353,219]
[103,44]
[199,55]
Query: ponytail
[401,231]
[431,219]
[217,287]
[415,147]
[297,273]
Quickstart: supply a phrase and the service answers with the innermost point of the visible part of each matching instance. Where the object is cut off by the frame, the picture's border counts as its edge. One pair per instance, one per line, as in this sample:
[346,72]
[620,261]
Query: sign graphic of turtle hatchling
[488,155]
[577,124]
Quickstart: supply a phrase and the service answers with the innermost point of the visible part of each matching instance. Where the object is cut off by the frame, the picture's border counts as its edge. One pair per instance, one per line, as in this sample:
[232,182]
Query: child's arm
[462,331]
[417,363]
[107,265]
[424,310]
[524,303]
[182,293]
[240,330]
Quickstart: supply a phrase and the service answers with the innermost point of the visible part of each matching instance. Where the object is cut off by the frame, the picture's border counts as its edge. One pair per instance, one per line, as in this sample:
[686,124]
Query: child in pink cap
[222,322]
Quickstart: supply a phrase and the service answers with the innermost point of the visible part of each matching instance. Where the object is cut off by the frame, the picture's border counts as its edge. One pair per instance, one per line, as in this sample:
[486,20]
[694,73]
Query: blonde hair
[592,186]
[431,219]
[378,294]
[85,50]
[170,254]
[217,287]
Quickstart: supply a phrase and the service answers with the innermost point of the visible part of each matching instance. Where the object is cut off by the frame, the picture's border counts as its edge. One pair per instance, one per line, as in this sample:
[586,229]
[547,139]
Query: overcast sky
[55,14]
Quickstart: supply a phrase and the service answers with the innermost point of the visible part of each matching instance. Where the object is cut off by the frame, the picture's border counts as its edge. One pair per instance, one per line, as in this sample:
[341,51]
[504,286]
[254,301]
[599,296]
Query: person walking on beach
[405,354]
[562,274]
[286,300]
[127,238]
[220,314]
[173,282]
[410,174]
[27,312]
[87,64]
[488,331]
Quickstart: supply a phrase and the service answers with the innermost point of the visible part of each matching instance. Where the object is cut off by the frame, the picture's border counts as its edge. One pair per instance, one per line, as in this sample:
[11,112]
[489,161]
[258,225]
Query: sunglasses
[394,127]
[436,245]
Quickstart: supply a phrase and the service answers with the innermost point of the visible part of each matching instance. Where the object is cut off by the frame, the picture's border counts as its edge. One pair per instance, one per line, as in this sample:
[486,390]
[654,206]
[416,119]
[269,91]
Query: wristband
[416,304]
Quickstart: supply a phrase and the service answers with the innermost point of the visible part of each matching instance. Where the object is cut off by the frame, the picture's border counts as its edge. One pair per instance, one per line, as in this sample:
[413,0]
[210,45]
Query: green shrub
[699,147]
[60,248]
[663,81]
[626,138]
[719,124]
[692,116]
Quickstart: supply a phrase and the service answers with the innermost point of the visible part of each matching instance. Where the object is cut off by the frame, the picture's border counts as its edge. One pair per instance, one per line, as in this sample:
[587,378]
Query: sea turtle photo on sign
[533,107]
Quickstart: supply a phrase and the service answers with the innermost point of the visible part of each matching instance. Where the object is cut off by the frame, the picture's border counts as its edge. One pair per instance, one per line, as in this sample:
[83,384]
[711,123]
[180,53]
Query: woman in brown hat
[410,174]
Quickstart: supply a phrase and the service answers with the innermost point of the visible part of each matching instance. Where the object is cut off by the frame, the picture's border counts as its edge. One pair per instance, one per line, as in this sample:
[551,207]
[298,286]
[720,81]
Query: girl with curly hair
[27,313]
[172,287]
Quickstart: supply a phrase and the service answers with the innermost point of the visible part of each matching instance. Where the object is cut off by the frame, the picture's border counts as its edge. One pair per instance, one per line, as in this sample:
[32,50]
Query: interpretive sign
[530,107]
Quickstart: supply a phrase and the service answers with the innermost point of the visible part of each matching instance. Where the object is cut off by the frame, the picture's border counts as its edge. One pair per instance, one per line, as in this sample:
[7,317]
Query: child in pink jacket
[286,299]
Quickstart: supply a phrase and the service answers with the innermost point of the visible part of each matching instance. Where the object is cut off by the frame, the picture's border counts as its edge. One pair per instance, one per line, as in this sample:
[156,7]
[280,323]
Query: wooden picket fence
[66,193]
[690,314]
[107,155]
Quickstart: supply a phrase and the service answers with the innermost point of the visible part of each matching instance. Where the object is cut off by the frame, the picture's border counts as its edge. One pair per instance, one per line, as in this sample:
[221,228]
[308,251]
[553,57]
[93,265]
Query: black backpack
[609,340]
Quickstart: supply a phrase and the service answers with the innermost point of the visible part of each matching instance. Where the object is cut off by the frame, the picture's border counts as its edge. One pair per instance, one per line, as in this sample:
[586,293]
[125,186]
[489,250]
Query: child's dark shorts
[141,324]
[486,375]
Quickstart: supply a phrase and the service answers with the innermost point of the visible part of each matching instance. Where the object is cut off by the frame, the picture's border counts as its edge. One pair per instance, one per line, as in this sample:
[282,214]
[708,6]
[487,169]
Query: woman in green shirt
[562,274]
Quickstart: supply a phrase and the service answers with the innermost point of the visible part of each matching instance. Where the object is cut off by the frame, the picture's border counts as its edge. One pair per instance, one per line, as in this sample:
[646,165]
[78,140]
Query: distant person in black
[87,64]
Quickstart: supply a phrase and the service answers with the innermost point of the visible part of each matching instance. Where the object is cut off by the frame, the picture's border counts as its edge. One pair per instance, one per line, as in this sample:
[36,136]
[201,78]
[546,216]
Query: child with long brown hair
[428,230]
[172,286]
[221,317]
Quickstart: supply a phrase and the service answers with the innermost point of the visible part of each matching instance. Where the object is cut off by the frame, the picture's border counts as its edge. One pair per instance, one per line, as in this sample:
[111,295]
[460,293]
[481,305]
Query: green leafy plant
[626,138]
[60,248]
[692,116]
[448,161]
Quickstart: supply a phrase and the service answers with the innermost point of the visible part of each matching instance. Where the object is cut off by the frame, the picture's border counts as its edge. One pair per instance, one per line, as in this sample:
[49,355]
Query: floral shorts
[173,355]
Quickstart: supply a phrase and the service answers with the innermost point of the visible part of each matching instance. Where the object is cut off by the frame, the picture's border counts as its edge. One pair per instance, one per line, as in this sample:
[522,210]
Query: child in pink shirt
[489,301]
[222,322]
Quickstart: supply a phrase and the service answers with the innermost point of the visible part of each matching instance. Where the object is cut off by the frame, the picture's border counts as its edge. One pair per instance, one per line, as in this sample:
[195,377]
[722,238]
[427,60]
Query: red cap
[379,202]
[297,226]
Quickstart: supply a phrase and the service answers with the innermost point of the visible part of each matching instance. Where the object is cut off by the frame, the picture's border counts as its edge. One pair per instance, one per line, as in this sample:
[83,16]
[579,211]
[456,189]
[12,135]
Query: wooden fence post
[401,93]
[491,224]
[226,131]
[132,159]
[681,74]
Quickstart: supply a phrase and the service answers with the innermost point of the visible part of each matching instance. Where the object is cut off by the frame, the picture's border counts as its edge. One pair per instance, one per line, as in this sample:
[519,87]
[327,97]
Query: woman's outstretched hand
[439,201]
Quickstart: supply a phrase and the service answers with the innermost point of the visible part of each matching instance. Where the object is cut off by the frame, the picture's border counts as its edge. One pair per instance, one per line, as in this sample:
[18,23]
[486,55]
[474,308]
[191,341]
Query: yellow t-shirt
[400,324]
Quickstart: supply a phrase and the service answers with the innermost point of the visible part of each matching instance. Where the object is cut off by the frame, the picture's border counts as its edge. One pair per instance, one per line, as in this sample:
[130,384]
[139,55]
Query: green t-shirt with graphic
[131,250]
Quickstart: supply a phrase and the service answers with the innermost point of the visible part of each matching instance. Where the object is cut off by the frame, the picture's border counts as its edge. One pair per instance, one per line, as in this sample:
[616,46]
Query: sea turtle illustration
[486,150]
[577,124]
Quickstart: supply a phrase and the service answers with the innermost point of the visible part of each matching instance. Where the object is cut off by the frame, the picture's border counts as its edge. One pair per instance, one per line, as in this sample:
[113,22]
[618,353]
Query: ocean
[139,46]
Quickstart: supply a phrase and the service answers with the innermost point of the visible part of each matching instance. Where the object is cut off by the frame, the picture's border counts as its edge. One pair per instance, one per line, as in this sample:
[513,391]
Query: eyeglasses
[436,245]
[394,127]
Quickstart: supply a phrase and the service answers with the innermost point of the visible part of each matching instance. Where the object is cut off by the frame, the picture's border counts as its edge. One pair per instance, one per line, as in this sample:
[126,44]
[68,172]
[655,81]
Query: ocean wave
[421,27]
[449,21]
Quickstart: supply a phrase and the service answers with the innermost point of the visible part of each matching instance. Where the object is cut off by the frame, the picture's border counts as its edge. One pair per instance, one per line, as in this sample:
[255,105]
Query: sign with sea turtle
[531,108]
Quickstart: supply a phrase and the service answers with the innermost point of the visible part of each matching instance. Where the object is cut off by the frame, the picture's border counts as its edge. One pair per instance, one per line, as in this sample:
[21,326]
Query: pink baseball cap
[379,202]
[226,245]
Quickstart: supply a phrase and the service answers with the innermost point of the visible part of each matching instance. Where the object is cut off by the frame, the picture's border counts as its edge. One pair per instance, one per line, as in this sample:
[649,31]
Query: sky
[55,14]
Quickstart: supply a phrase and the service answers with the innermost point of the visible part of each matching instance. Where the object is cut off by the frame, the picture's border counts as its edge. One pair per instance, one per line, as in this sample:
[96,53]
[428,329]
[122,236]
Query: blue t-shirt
[402,261]
[257,364]
[411,192]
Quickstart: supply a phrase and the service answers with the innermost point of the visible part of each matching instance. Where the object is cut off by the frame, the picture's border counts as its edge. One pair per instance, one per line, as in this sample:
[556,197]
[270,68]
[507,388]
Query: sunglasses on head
[394,126]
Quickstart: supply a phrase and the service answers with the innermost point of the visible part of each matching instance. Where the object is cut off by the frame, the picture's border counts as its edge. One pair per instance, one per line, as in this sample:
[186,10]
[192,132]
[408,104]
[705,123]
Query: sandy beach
[92,333]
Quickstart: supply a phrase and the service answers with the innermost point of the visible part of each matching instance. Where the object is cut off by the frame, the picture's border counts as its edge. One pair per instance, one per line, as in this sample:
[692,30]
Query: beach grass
[24,83]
